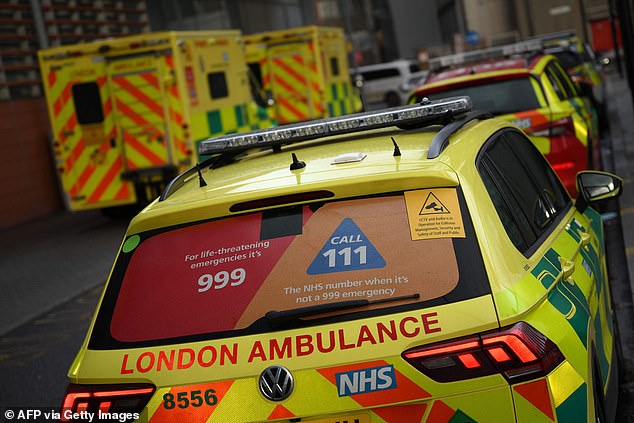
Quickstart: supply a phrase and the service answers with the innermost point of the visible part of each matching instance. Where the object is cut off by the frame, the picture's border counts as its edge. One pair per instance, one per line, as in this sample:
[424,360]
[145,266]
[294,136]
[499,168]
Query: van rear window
[380,74]
[87,102]
[217,85]
[221,277]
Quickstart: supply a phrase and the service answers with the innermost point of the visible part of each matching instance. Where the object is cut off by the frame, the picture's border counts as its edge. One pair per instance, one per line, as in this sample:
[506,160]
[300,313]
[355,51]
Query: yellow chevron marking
[563,382]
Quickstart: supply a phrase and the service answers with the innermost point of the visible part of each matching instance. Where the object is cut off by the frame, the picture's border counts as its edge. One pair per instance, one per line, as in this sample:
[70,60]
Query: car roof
[506,68]
[402,63]
[489,68]
[267,174]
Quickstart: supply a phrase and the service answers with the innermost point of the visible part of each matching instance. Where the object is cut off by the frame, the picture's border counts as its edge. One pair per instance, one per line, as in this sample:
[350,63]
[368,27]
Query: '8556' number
[187,399]
[221,279]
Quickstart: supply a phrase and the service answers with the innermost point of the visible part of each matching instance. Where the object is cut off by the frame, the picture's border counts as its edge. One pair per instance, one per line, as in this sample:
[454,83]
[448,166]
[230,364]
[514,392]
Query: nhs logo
[366,380]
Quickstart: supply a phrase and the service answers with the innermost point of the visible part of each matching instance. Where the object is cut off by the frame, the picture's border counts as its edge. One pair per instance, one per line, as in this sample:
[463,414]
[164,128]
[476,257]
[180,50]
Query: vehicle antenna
[297,164]
[201,180]
[397,151]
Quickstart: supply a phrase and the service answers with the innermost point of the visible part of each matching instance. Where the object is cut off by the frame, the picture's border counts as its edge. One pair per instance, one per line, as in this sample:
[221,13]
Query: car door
[562,245]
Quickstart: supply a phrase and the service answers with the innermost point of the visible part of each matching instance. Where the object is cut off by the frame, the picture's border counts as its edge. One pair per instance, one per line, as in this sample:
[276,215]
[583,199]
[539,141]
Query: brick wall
[28,184]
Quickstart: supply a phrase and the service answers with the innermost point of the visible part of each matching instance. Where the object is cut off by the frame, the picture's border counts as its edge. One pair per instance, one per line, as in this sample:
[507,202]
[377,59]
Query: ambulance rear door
[295,82]
[141,114]
[218,85]
[85,142]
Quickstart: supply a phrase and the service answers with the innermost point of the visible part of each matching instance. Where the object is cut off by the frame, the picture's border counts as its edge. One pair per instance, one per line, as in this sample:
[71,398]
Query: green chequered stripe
[569,301]
[604,365]
[214,121]
[461,417]
[573,409]
[260,117]
[339,99]
[228,120]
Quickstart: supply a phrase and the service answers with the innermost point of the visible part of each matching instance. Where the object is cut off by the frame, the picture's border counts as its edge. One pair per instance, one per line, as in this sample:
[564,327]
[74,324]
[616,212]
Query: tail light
[559,128]
[518,352]
[105,399]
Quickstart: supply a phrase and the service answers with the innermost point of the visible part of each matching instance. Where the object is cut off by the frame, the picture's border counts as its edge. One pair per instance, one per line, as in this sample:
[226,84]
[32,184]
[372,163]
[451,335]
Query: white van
[382,81]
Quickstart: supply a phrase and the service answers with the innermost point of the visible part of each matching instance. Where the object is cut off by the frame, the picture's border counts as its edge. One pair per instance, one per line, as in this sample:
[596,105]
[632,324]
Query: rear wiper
[277,317]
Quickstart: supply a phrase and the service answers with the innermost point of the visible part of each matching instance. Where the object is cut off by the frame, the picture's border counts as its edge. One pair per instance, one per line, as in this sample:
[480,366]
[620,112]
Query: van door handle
[585,239]
[567,267]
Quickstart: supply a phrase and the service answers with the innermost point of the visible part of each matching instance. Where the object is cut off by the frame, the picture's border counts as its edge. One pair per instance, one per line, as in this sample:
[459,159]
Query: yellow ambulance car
[416,264]
[127,113]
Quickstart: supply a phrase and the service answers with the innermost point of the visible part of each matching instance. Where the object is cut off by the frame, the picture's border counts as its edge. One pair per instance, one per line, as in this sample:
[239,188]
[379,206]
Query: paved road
[49,261]
[52,271]
[35,357]
[620,160]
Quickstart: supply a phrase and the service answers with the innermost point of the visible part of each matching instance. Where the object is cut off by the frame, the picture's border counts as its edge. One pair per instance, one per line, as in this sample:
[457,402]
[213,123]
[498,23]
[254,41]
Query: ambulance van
[304,71]
[127,113]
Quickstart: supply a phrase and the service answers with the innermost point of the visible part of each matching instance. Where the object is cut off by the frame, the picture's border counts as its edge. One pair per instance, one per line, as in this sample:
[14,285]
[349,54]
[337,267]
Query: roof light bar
[421,113]
[487,54]
[556,36]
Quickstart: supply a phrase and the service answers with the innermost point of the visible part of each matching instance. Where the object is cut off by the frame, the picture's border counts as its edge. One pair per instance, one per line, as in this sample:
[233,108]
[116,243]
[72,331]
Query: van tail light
[518,352]
[559,128]
[105,399]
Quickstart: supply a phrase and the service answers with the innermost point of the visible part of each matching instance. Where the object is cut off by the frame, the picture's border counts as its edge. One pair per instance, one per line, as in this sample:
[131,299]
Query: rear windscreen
[87,101]
[497,97]
[221,277]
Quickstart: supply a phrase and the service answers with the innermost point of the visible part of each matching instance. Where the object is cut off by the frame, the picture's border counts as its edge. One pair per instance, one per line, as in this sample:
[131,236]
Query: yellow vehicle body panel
[127,113]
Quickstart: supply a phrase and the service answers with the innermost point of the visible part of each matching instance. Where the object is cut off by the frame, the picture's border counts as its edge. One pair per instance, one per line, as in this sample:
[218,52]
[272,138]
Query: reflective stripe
[537,395]
[412,413]
[150,153]
[139,95]
[105,181]
[440,413]
[141,148]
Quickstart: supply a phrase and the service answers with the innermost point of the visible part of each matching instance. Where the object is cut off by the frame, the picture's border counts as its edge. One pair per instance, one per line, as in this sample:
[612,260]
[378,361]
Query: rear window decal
[384,222]
[346,249]
[227,274]
[434,213]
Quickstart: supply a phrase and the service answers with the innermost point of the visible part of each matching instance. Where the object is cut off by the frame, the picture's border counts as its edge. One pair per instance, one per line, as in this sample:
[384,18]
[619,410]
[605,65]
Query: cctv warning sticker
[434,213]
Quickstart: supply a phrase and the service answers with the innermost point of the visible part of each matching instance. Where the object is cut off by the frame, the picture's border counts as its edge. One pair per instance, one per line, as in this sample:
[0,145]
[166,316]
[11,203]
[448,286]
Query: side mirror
[594,186]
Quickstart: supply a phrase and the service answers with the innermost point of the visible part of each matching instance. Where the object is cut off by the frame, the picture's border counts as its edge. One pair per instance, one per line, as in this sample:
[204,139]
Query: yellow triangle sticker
[434,213]
[433,206]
